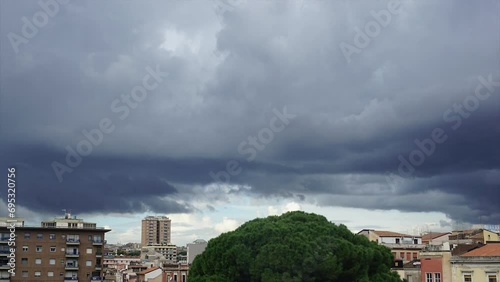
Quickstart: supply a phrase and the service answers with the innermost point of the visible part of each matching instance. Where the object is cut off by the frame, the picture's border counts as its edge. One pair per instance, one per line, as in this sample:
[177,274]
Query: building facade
[64,249]
[435,266]
[480,264]
[194,249]
[403,247]
[472,236]
[155,231]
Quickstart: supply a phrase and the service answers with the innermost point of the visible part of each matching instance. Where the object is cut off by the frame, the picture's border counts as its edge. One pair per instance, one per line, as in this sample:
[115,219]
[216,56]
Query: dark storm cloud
[226,75]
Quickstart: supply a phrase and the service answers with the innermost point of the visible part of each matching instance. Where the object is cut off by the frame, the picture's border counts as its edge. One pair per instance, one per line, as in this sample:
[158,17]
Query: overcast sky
[375,114]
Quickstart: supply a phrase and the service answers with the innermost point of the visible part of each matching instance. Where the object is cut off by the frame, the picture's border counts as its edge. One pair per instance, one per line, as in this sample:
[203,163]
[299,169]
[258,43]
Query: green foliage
[295,246]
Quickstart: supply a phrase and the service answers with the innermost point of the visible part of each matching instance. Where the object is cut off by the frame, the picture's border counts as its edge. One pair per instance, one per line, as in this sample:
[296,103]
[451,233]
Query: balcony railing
[96,278]
[71,265]
[403,246]
[72,241]
[72,278]
[72,253]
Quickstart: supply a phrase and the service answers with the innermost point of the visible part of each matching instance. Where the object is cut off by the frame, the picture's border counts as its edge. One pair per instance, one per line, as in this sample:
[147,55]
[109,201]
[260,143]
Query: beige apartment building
[63,249]
[155,231]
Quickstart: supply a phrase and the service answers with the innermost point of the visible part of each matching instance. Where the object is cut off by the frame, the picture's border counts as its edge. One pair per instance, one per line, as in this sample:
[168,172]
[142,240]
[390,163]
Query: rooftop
[383,233]
[434,235]
[488,250]
[148,270]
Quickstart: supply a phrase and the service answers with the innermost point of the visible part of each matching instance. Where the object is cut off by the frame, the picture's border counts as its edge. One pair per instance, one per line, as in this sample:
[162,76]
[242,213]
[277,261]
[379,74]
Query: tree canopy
[295,246]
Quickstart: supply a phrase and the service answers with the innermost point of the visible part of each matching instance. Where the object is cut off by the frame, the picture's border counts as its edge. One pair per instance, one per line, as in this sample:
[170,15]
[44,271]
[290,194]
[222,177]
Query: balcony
[4,240]
[72,278]
[406,246]
[4,266]
[98,254]
[72,254]
[71,241]
[96,278]
[71,266]
[98,267]
[4,252]
[98,242]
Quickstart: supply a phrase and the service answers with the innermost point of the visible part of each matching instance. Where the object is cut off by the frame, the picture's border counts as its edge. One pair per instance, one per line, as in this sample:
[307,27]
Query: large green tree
[295,246]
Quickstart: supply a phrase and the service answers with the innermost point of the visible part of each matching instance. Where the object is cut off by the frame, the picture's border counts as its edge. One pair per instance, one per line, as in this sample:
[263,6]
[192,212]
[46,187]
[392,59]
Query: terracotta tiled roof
[433,235]
[148,270]
[464,248]
[488,250]
[381,233]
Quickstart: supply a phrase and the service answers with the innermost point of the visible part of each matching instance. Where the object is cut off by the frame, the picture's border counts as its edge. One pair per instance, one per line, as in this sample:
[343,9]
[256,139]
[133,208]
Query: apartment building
[166,252]
[480,264]
[435,238]
[472,236]
[403,247]
[62,249]
[195,248]
[155,231]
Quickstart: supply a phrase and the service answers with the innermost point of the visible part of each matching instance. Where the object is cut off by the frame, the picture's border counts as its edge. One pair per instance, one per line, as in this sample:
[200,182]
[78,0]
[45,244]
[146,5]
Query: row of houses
[156,263]
[456,256]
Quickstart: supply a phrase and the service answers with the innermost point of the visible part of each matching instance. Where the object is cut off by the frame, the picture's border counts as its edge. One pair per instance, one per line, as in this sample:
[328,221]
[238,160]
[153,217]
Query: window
[38,273]
[89,250]
[415,241]
[38,248]
[52,236]
[398,240]
[98,238]
[415,256]
[25,248]
[88,263]
[24,261]
[52,261]
[38,261]
[52,249]
[27,235]
[73,238]
[50,274]
[25,274]
[467,278]
[428,277]
[90,237]
[39,236]
[437,277]
[492,278]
